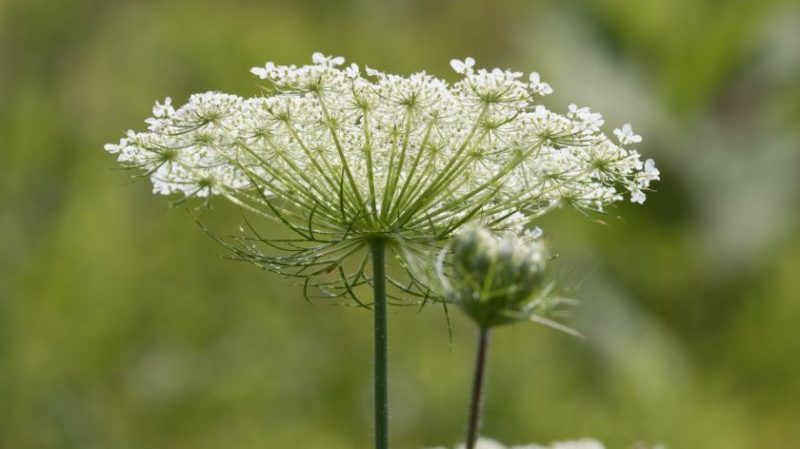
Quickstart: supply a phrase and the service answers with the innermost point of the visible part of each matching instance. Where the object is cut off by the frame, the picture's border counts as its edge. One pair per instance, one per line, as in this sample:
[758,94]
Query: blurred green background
[122,327]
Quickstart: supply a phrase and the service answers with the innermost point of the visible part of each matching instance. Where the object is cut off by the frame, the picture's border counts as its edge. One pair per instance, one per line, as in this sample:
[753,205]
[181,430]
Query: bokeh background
[122,327]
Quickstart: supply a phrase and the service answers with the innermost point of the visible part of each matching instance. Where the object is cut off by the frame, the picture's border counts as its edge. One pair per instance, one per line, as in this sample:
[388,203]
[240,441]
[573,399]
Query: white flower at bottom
[584,443]
[484,443]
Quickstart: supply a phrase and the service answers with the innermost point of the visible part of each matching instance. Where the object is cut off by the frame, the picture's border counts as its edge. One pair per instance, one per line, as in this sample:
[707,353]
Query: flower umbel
[342,158]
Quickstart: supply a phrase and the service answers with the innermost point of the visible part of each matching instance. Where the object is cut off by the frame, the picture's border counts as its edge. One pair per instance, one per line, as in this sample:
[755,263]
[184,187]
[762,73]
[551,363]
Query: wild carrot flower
[349,161]
[342,157]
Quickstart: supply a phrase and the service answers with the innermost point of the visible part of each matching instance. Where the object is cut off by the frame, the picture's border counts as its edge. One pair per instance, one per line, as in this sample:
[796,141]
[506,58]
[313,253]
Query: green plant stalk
[378,248]
[476,403]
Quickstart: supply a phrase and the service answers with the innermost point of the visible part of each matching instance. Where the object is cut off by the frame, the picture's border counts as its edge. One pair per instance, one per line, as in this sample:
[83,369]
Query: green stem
[476,403]
[378,248]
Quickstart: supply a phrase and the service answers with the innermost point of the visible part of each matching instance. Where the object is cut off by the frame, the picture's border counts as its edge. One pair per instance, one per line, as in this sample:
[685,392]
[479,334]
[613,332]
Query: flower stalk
[476,402]
[496,281]
[378,251]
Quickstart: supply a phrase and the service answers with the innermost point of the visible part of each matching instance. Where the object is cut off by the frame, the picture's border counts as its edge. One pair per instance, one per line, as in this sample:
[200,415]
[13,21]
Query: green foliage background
[121,327]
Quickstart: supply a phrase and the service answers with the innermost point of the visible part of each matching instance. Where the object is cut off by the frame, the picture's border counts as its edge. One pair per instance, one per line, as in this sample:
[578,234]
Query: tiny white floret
[626,135]
[464,66]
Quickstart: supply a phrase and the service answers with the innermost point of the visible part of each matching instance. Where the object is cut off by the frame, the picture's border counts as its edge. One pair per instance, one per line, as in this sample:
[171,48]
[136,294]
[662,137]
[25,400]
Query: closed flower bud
[496,280]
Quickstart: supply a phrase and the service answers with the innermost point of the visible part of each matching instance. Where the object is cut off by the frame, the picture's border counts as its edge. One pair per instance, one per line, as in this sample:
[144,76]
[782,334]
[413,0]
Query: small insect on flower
[342,157]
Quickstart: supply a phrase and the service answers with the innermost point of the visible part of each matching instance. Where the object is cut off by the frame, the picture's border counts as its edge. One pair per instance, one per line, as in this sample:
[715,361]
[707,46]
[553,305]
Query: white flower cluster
[485,443]
[387,152]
